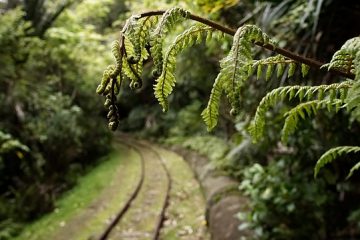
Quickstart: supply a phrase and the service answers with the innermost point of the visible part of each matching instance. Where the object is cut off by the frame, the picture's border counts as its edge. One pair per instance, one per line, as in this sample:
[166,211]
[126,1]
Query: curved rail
[160,220]
[165,204]
[132,197]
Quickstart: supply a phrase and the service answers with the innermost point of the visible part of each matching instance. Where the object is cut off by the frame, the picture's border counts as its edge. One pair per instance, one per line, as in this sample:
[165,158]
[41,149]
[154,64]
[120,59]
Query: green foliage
[332,154]
[167,22]
[277,200]
[47,107]
[308,108]
[166,81]
[234,69]
[295,25]
[347,58]
[256,128]
[213,147]
[9,144]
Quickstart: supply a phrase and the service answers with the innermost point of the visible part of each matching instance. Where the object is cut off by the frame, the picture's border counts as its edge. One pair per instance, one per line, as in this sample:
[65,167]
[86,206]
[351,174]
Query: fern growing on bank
[143,36]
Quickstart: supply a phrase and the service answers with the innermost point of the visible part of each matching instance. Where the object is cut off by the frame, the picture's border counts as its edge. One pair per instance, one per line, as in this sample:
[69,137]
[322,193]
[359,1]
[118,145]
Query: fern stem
[308,61]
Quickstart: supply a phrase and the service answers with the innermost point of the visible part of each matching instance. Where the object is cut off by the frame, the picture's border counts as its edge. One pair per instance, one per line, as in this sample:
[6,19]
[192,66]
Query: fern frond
[130,71]
[166,81]
[277,61]
[256,128]
[332,154]
[236,66]
[112,71]
[167,22]
[353,169]
[211,112]
[347,57]
[353,98]
[137,31]
[105,84]
[306,109]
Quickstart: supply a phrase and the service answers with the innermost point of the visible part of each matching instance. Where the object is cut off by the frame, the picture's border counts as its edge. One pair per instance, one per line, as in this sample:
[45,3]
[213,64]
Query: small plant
[277,200]
[143,36]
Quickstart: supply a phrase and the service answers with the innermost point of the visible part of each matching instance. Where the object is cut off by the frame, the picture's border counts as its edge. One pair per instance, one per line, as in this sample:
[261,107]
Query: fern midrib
[143,26]
[210,112]
[236,68]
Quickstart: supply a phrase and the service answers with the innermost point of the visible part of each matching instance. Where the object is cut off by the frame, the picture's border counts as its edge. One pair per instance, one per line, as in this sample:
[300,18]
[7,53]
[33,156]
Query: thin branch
[308,61]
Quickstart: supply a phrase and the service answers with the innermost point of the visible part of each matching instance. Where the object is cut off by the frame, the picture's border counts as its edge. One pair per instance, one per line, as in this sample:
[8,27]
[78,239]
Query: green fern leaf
[211,112]
[166,81]
[291,71]
[310,108]
[353,169]
[256,128]
[269,72]
[259,71]
[332,154]
[347,59]
[237,65]
[280,70]
[167,22]
[304,69]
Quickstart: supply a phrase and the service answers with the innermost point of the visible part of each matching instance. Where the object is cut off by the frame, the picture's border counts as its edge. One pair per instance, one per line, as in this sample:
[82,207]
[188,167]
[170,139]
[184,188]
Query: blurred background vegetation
[53,127]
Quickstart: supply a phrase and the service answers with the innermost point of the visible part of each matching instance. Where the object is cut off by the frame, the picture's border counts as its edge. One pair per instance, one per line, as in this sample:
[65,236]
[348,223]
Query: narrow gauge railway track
[138,210]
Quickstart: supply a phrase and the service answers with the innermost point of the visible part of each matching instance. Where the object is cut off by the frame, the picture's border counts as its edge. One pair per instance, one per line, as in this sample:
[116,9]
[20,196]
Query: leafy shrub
[284,202]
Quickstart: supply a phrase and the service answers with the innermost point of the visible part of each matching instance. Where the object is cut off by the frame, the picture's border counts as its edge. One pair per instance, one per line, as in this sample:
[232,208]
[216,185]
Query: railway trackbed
[142,215]
[167,205]
[150,193]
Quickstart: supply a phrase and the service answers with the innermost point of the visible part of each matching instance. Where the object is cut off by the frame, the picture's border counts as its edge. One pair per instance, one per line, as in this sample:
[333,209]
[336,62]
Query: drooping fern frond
[137,33]
[167,22]
[138,37]
[235,66]
[166,81]
[256,128]
[347,57]
[234,70]
[302,110]
[211,113]
[332,154]
[353,99]
[353,169]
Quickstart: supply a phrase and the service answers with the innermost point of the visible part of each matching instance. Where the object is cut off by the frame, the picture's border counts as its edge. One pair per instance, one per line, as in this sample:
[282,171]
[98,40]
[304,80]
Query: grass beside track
[79,199]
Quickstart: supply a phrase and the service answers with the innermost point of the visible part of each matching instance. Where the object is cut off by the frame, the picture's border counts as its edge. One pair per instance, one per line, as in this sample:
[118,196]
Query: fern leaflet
[166,23]
[332,154]
[256,128]
[166,81]
[307,108]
